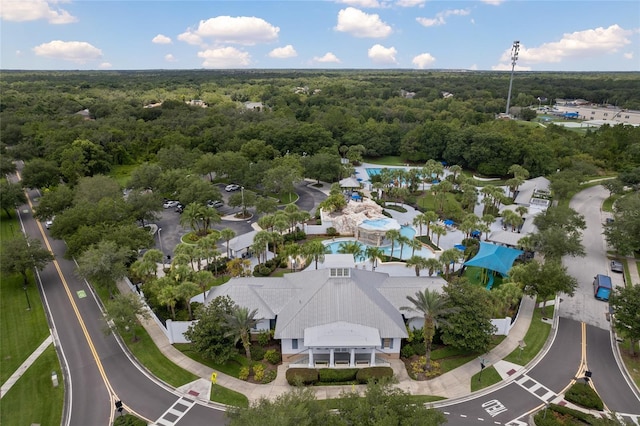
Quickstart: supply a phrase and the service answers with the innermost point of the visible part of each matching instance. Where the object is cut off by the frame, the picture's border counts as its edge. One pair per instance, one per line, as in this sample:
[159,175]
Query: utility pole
[514,57]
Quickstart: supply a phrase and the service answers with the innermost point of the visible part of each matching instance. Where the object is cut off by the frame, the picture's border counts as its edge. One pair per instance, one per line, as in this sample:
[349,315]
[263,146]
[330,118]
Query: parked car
[215,204]
[179,208]
[231,187]
[609,220]
[170,203]
[49,222]
[617,266]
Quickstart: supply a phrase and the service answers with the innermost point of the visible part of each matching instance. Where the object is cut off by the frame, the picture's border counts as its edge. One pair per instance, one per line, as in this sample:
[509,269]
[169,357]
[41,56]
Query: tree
[209,334]
[434,310]
[384,404]
[144,206]
[559,233]
[418,263]
[373,254]
[243,199]
[40,173]
[297,407]
[351,247]
[93,189]
[53,202]
[21,255]
[145,176]
[314,250]
[392,235]
[414,244]
[624,232]
[449,257]
[439,231]
[227,234]
[433,265]
[322,167]
[239,323]
[625,303]
[543,280]
[239,267]
[266,205]
[103,264]
[11,196]
[185,291]
[469,325]
[124,311]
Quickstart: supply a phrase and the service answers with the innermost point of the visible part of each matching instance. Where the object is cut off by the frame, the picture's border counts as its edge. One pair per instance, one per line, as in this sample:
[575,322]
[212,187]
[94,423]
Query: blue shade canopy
[495,258]
[460,247]
[448,222]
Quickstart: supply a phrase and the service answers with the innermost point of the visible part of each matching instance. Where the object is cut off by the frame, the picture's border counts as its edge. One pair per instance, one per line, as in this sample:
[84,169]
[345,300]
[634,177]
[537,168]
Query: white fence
[176,330]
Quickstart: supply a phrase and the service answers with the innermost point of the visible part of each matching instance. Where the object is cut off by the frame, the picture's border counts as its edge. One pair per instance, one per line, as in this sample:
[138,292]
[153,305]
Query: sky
[559,35]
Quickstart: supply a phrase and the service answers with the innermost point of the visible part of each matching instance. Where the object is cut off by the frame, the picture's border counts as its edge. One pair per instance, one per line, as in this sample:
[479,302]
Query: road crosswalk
[176,411]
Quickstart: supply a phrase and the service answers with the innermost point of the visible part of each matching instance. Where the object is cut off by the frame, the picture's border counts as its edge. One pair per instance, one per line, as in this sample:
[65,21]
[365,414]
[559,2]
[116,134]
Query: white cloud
[33,10]
[225,57]
[371,4]
[18,52]
[424,60]
[75,51]
[244,30]
[328,57]
[588,43]
[493,2]
[360,24]
[283,52]
[473,67]
[105,66]
[410,3]
[628,55]
[382,55]
[507,67]
[169,58]
[440,17]
[161,39]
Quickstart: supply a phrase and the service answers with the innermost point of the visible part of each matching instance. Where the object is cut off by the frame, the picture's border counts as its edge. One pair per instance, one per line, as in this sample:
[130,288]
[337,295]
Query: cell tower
[514,57]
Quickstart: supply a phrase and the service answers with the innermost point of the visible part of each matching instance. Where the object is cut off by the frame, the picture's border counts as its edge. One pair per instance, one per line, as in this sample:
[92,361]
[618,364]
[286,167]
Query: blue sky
[561,35]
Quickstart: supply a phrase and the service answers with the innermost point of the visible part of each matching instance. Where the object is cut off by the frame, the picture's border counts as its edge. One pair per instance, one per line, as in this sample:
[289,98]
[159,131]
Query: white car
[169,204]
[231,187]
[49,222]
[215,204]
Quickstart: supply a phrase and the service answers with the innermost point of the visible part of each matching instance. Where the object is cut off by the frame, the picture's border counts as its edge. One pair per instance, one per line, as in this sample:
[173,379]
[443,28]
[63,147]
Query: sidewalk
[453,384]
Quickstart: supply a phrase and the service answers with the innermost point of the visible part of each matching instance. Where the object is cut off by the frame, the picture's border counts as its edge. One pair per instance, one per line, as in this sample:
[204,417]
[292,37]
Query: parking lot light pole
[242,195]
[161,249]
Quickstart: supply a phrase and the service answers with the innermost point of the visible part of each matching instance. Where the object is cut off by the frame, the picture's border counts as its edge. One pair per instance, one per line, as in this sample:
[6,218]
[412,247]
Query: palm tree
[429,218]
[432,265]
[203,279]
[208,216]
[240,322]
[450,257]
[392,235]
[315,250]
[373,254]
[260,244]
[187,250]
[227,234]
[438,230]
[266,222]
[209,248]
[420,220]
[455,170]
[433,307]
[351,247]
[185,292]
[414,245]
[190,216]
[402,240]
[417,262]
[522,210]
[168,297]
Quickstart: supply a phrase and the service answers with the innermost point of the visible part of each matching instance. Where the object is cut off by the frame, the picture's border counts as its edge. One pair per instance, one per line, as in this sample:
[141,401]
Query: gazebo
[494,258]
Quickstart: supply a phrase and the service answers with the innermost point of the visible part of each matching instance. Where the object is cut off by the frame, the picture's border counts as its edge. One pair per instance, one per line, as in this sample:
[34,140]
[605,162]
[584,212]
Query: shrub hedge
[332,375]
[257,353]
[569,416]
[304,376]
[273,356]
[583,395]
[373,373]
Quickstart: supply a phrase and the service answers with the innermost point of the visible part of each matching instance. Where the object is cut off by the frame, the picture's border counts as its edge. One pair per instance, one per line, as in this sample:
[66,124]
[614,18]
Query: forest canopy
[87,122]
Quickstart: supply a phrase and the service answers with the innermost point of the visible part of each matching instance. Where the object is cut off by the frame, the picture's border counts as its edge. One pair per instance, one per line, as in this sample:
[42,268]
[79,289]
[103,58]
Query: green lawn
[160,366]
[632,362]
[21,331]
[122,173]
[228,396]
[33,399]
[389,160]
[231,368]
[534,339]
[334,403]
[607,205]
[488,377]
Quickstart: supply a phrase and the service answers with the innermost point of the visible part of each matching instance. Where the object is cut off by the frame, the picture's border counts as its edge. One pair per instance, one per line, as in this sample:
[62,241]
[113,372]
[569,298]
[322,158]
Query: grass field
[534,339]
[487,377]
[122,173]
[33,399]
[632,362]
[21,331]
[389,160]
[228,397]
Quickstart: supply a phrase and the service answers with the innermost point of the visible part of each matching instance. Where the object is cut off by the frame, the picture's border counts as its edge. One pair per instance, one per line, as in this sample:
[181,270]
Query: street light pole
[482,366]
[243,207]
[161,249]
[26,294]
[514,57]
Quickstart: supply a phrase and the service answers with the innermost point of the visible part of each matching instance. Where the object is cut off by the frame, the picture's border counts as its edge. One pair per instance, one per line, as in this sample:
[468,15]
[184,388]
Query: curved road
[582,342]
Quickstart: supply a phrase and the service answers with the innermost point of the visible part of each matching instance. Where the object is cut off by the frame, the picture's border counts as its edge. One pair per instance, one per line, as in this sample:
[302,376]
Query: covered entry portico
[341,344]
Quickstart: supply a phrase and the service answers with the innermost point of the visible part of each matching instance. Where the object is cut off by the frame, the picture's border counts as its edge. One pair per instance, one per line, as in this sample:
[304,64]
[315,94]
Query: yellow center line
[112,394]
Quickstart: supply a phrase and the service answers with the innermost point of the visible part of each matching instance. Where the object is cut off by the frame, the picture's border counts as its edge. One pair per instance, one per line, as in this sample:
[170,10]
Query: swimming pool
[406,231]
[374,171]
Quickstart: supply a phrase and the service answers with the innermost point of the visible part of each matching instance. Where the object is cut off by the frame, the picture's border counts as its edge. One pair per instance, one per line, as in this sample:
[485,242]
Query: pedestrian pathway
[25,365]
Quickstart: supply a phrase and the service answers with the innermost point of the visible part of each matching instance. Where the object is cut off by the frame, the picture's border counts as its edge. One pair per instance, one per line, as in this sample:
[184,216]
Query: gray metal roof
[242,241]
[525,191]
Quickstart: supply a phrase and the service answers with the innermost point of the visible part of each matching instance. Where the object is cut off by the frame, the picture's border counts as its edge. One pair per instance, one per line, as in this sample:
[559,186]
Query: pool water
[406,231]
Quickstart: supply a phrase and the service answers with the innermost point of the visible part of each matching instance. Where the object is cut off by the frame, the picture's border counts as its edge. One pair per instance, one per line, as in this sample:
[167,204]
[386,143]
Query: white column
[352,358]
[372,363]
[311,357]
[332,359]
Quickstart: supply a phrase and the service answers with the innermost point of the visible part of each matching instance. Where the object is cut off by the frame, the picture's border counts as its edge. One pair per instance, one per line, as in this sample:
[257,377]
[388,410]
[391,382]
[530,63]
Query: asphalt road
[99,370]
